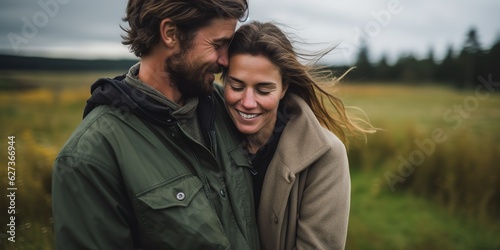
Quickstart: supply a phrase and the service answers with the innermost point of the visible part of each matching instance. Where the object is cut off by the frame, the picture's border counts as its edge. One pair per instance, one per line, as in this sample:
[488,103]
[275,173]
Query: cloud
[45,25]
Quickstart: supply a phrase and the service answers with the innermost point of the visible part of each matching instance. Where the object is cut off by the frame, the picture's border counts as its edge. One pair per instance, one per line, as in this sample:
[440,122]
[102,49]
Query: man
[155,163]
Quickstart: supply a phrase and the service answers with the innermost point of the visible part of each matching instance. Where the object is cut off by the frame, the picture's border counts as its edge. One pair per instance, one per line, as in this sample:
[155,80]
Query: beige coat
[306,193]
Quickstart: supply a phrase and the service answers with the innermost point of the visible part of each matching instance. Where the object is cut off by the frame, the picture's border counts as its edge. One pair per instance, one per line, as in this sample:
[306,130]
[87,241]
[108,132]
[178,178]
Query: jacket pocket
[178,215]
[177,193]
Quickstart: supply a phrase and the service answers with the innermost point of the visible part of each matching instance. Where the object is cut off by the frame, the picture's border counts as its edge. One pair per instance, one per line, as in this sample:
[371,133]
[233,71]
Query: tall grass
[461,175]
[460,171]
[33,199]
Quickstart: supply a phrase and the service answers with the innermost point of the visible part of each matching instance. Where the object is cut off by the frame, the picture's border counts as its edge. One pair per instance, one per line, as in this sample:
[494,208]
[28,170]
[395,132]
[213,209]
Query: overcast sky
[91,28]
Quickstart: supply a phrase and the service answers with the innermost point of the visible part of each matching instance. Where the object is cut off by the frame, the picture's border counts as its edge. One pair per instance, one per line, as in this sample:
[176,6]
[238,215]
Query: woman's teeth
[247,116]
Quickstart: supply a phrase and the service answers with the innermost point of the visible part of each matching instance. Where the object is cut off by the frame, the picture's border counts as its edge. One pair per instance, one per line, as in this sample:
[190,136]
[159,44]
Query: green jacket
[130,178]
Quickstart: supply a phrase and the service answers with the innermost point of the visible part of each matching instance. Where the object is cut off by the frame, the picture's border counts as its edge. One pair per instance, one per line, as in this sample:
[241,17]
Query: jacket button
[222,193]
[180,196]
[275,220]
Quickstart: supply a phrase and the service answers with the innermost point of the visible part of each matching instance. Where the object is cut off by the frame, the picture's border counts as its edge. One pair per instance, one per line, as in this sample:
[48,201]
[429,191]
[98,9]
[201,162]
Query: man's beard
[190,77]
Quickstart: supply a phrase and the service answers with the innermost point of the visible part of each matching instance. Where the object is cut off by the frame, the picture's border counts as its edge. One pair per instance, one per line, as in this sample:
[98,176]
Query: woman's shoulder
[333,141]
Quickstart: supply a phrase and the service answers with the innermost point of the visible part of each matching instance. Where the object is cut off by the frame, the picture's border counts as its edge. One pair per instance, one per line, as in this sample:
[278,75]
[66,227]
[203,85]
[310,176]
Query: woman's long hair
[268,40]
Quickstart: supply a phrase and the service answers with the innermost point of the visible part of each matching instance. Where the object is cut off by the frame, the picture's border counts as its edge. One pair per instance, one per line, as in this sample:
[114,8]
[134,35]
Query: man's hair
[144,18]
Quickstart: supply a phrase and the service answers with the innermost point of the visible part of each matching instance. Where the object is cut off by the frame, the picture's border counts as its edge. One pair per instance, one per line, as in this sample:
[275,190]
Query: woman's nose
[248,101]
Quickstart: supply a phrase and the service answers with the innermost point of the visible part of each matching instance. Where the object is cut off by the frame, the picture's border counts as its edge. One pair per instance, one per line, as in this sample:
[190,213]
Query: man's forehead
[220,30]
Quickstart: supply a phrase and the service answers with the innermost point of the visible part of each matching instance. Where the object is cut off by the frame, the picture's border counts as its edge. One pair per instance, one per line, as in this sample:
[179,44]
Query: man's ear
[167,32]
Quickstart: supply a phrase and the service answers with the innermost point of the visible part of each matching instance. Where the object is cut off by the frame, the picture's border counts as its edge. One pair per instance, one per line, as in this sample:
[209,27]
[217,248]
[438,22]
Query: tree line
[30,63]
[462,70]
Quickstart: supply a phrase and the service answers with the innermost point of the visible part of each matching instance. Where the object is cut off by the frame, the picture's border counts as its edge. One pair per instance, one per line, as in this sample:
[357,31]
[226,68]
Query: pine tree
[469,57]
[445,71]
[383,69]
[364,69]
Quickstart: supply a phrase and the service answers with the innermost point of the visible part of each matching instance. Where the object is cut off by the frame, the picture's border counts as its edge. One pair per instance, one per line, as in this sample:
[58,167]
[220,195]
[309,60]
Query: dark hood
[116,93]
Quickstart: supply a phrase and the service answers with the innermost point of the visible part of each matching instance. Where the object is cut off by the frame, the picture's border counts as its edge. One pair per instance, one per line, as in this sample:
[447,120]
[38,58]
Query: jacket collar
[115,92]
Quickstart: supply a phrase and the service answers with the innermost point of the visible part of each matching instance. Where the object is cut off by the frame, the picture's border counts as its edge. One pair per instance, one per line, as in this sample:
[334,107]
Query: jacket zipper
[211,134]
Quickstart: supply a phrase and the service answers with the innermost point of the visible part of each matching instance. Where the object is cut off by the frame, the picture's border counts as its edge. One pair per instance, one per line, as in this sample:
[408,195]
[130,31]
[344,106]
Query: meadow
[429,179]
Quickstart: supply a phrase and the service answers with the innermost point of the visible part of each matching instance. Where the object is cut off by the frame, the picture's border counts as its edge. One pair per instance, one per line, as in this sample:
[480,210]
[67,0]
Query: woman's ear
[167,32]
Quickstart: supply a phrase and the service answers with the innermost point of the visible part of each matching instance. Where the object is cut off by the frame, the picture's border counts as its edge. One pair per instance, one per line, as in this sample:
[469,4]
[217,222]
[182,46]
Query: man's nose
[223,59]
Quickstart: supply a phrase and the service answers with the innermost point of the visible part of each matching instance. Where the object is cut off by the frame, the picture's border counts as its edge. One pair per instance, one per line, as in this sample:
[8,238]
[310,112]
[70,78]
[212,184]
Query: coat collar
[303,140]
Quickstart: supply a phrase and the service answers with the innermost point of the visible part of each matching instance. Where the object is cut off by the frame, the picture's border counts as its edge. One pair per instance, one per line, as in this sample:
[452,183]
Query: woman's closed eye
[236,88]
[263,91]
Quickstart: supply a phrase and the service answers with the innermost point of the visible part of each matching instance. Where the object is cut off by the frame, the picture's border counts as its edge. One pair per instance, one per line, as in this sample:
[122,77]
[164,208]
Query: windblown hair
[268,40]
[144,18]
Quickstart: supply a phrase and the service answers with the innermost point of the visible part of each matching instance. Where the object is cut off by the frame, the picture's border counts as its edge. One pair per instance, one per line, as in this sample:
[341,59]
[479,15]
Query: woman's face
[253,89]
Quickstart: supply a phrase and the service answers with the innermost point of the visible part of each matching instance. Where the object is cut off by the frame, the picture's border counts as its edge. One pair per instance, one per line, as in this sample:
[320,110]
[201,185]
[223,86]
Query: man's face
[192,70]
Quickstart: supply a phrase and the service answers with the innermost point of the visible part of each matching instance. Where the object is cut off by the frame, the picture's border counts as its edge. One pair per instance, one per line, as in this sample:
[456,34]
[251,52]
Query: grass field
[428,180]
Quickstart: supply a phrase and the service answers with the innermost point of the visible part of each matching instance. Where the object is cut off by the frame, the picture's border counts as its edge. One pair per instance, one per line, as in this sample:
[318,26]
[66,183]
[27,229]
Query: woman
[301,175]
